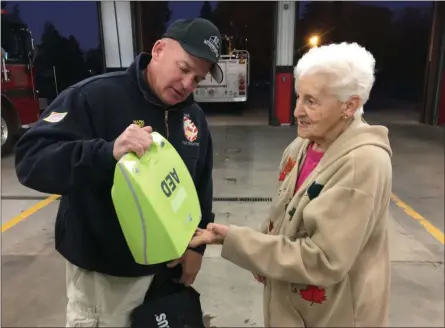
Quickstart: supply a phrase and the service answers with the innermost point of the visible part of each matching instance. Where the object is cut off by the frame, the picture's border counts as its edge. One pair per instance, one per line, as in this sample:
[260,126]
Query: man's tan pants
[98,300]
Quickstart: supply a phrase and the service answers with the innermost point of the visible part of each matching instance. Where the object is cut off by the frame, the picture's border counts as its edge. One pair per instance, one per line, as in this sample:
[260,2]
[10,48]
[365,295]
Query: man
[74,148]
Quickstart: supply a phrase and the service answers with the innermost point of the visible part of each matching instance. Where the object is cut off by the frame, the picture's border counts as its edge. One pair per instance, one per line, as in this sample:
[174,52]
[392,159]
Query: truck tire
[7,135]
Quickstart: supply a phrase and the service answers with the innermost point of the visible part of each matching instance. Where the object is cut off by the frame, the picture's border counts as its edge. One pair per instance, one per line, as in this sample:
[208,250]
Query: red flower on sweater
[313,294]
[287,168]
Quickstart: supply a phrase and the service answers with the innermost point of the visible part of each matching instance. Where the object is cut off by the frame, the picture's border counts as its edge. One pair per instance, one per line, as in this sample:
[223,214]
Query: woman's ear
[352,105]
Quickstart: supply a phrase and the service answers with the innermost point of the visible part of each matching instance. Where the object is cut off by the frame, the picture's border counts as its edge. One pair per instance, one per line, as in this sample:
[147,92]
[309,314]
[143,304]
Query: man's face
[177,73]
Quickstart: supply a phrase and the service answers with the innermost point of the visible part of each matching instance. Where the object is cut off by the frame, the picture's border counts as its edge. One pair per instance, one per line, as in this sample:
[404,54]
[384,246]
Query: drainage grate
[215,199]
[24,197]
[242,199]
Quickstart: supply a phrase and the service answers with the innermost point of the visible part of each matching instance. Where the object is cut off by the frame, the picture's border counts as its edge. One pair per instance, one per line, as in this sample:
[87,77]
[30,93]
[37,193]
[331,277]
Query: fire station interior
[396,89]
[254,32]
[408,98]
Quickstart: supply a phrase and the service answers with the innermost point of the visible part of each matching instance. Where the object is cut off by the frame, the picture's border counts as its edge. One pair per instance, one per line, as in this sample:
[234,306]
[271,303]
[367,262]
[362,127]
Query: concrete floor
[246,158]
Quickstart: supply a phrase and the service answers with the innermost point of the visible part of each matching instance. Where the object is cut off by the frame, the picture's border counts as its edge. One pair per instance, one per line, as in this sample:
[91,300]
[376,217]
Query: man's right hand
[133,139]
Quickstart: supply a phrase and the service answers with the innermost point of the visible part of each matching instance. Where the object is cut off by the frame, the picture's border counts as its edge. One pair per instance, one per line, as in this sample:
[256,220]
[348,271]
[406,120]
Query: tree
[154,16]
[50,47]
[74,64]
[61,54]
[206,11]
[15,14]
[94,61]
[12,16]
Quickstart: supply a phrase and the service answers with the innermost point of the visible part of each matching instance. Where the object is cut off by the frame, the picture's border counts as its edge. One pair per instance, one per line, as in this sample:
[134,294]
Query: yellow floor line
[435,232]
[30,211]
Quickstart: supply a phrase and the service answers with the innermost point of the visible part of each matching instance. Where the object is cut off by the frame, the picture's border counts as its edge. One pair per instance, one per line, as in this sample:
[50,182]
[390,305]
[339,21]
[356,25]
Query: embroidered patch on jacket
[313,294]
[190,129]
[291,213]
[139,123]
[314,190]
[287,168]
[55,117]
[302,232]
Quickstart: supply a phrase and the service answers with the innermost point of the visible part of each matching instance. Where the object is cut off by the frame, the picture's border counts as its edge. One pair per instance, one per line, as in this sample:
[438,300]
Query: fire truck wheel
[7,137]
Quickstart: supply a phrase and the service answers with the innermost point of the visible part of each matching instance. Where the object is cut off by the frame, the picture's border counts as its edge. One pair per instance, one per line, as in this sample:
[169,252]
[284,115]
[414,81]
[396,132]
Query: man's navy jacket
[70,152]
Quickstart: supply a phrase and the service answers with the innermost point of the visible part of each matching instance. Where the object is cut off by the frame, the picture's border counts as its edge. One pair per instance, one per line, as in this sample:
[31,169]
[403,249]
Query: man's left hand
[191,264]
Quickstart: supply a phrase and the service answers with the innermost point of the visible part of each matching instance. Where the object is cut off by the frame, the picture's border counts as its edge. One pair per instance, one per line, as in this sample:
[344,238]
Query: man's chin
[170,101]
[173,100]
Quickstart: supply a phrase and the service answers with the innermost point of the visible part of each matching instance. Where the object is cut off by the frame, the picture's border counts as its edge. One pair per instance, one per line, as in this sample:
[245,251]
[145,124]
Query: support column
[433,108]
[284,81]
[117,34]
[439,103]
[441,100]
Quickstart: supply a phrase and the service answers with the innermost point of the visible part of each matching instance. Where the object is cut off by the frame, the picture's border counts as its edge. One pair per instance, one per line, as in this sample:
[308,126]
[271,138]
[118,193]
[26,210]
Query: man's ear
[157,49]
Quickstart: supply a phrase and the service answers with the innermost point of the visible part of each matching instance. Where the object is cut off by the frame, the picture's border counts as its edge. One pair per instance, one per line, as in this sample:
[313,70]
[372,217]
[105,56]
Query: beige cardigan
[324,251]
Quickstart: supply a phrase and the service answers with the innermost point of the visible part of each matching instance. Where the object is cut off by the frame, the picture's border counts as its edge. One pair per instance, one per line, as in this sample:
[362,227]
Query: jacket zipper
[166,123]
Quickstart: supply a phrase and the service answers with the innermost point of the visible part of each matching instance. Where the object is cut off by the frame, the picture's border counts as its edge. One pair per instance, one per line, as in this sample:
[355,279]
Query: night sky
[80,18]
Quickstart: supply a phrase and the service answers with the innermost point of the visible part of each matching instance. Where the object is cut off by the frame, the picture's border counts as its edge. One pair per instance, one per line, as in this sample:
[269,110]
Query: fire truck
[20,106]
[126,29]
[234,88]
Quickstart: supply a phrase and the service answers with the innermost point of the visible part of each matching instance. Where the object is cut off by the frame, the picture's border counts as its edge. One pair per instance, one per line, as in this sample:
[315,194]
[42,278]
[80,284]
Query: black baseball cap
[200,38]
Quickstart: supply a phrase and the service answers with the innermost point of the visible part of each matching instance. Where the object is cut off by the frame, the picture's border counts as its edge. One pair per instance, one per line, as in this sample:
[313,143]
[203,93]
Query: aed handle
[158,142]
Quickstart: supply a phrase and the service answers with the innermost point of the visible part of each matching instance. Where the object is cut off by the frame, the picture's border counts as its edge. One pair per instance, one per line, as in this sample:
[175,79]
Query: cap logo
[213,44]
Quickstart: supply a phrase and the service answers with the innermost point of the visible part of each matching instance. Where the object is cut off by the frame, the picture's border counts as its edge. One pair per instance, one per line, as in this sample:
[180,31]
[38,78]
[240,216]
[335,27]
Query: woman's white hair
[350,65]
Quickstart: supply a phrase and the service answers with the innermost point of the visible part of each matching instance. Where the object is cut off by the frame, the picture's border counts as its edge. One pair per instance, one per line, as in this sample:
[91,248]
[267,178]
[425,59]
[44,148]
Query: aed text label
[170,183]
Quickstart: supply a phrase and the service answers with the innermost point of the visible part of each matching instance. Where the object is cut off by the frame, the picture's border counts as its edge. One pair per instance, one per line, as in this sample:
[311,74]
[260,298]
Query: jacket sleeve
[264,225]
[205,190]
[340,221]
[61,151]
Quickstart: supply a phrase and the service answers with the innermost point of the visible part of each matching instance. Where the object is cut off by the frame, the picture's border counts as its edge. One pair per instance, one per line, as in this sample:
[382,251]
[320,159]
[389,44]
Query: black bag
[169,304]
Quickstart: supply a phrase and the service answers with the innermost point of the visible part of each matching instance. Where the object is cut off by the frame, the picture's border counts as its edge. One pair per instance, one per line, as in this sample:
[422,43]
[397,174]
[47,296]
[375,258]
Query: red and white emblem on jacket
[190,129]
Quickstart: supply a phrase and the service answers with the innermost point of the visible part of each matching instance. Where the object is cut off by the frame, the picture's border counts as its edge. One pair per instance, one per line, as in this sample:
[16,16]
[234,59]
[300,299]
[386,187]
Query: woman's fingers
[258,278]
[203,237]
[215,228]
[198,232]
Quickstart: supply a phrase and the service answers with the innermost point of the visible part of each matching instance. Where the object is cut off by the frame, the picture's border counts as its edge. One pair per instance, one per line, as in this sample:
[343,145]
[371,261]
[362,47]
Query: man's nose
[188,83]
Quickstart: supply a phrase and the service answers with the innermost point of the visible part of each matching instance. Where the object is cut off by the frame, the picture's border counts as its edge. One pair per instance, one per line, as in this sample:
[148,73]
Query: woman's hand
[259,278]
[214,234]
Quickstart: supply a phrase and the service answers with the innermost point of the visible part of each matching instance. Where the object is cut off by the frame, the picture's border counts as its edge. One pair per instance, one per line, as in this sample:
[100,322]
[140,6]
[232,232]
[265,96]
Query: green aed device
[156,203]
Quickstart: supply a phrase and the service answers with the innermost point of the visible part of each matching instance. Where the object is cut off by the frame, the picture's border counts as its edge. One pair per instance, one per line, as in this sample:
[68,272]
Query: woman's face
[318,112]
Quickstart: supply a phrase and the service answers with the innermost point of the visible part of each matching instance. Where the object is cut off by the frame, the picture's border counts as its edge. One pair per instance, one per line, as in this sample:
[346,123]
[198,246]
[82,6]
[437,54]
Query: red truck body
[20,104]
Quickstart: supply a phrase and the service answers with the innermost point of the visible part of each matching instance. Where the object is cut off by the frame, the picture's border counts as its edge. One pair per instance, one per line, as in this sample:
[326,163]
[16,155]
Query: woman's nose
[299,109]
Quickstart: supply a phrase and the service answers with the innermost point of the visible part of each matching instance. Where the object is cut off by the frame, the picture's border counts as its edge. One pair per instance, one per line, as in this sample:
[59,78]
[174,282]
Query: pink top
[310,162]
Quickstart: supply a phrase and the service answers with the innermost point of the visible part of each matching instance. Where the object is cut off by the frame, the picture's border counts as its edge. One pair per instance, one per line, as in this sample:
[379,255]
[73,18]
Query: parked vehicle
[20,105]
[235,86]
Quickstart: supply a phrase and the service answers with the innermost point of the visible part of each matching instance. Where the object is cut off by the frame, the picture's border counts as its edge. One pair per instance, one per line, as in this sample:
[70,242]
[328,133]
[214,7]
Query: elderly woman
[322,253]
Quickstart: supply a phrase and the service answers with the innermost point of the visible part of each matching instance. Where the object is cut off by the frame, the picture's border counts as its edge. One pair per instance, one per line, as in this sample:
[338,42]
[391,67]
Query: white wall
[285,33]
[117,33]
